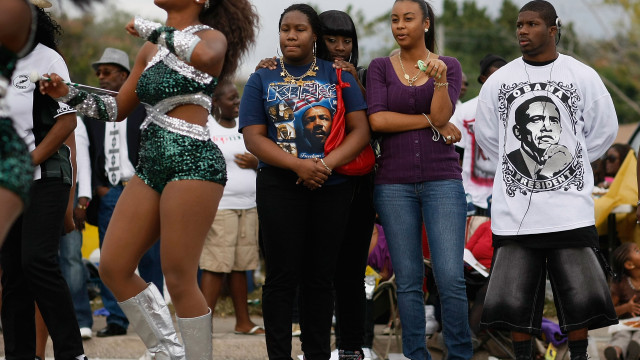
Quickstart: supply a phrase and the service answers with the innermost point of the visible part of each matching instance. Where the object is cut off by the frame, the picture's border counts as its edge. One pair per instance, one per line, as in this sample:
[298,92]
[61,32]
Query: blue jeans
[76,275]
[441,205]
[149,267]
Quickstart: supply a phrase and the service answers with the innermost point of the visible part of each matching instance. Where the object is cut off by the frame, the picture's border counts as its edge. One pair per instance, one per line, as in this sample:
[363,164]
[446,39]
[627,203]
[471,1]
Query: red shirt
[481,244]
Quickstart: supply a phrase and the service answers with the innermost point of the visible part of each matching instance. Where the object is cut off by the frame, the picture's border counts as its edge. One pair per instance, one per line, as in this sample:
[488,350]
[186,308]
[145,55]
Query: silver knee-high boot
[149,316]
[197,336]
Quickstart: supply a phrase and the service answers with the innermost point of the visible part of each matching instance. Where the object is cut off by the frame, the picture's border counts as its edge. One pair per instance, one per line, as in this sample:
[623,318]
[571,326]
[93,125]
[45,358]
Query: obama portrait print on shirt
[538,156]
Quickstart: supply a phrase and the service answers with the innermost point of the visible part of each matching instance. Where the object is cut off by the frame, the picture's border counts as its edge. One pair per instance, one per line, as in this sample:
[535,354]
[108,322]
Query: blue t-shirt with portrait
[298,115]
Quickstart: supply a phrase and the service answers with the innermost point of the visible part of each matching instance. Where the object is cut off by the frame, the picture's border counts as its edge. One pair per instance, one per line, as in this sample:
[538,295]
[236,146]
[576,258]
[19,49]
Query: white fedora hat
[43,4]
[113,56]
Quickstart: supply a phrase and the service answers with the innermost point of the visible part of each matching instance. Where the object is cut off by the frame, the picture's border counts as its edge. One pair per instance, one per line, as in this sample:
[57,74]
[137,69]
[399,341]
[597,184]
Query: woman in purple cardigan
[419,178]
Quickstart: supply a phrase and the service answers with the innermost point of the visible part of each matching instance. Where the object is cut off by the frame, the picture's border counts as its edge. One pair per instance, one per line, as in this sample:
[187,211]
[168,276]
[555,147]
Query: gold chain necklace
[411,80]
[298,79]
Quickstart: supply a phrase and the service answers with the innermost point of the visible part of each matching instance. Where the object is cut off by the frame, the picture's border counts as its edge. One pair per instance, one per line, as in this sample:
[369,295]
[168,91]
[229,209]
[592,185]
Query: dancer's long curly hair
[48,31]
[238,21]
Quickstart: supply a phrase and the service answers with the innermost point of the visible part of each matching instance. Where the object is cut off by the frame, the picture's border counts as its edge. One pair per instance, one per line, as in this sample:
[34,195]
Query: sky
[587,16]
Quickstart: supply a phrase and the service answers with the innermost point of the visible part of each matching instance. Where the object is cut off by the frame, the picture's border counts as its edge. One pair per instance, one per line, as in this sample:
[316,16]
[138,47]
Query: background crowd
[322,167]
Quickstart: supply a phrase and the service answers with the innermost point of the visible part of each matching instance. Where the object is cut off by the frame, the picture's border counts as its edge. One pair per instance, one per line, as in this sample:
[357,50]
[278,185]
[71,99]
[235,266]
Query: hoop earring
[314,49]
[278,51]
[206,3]
[215,111]
[350,57]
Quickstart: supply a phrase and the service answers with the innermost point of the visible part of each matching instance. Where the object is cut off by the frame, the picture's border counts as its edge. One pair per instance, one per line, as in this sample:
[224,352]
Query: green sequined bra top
[168,82]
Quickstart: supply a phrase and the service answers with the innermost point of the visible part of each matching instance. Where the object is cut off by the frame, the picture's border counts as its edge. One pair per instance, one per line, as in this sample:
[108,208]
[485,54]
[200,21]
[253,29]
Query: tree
[471,34]
[84,39]
[612,60]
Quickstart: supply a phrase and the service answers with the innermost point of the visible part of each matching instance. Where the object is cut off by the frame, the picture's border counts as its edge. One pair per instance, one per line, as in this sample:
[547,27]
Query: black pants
[352,262]
[302,231]
[31,272]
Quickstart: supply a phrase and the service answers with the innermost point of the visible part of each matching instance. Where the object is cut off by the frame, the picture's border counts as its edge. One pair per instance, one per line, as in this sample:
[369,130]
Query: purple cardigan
[411,156]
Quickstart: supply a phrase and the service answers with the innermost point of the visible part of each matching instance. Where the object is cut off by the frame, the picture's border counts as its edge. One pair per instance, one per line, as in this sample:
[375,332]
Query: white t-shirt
[544,179]
[20,95]
[478,169]
[83,161]
[240,191]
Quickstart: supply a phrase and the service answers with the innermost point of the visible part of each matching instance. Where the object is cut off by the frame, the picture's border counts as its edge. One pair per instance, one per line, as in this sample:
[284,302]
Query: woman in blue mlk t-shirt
[285,116]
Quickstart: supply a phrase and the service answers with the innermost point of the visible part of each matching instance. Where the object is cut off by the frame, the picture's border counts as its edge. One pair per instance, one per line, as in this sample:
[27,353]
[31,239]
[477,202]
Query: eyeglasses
[611,158]
[107,72]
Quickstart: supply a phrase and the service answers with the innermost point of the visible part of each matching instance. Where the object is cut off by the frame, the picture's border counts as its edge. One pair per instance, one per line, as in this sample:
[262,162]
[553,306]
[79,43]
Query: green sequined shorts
[16,169]
[167,156]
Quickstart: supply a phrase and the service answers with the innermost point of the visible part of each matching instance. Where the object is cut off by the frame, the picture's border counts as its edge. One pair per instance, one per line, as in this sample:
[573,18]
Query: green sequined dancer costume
[170,148]
[16,169]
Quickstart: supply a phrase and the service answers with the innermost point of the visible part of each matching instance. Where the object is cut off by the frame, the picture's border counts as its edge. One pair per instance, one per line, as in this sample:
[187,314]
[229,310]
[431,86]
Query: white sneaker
[85,333]
[432,324]
[369,354]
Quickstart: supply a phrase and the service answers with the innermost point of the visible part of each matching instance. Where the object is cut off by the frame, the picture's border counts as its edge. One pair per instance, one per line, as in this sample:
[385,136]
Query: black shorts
[516,292]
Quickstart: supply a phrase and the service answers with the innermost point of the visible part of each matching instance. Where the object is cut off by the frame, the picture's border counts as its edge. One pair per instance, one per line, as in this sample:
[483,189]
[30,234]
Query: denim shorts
[516,292]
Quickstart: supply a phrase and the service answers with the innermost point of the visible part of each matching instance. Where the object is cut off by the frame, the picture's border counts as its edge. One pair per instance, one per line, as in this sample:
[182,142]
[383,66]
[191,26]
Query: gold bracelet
[325,166]
[439,85]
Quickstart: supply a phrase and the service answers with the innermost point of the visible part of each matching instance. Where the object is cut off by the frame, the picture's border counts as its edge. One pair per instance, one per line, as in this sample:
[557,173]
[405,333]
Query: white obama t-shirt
[43,60]
[544,125]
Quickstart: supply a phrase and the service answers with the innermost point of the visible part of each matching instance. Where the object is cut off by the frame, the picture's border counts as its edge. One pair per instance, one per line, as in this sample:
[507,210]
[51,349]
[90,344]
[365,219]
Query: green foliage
[615,59]
[508,15]
[470,34]
[85,39]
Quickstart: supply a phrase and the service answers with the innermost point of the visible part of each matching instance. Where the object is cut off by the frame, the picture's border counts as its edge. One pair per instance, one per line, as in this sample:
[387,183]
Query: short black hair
[314,21]
[339,23]
[522,118]
[544,8]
